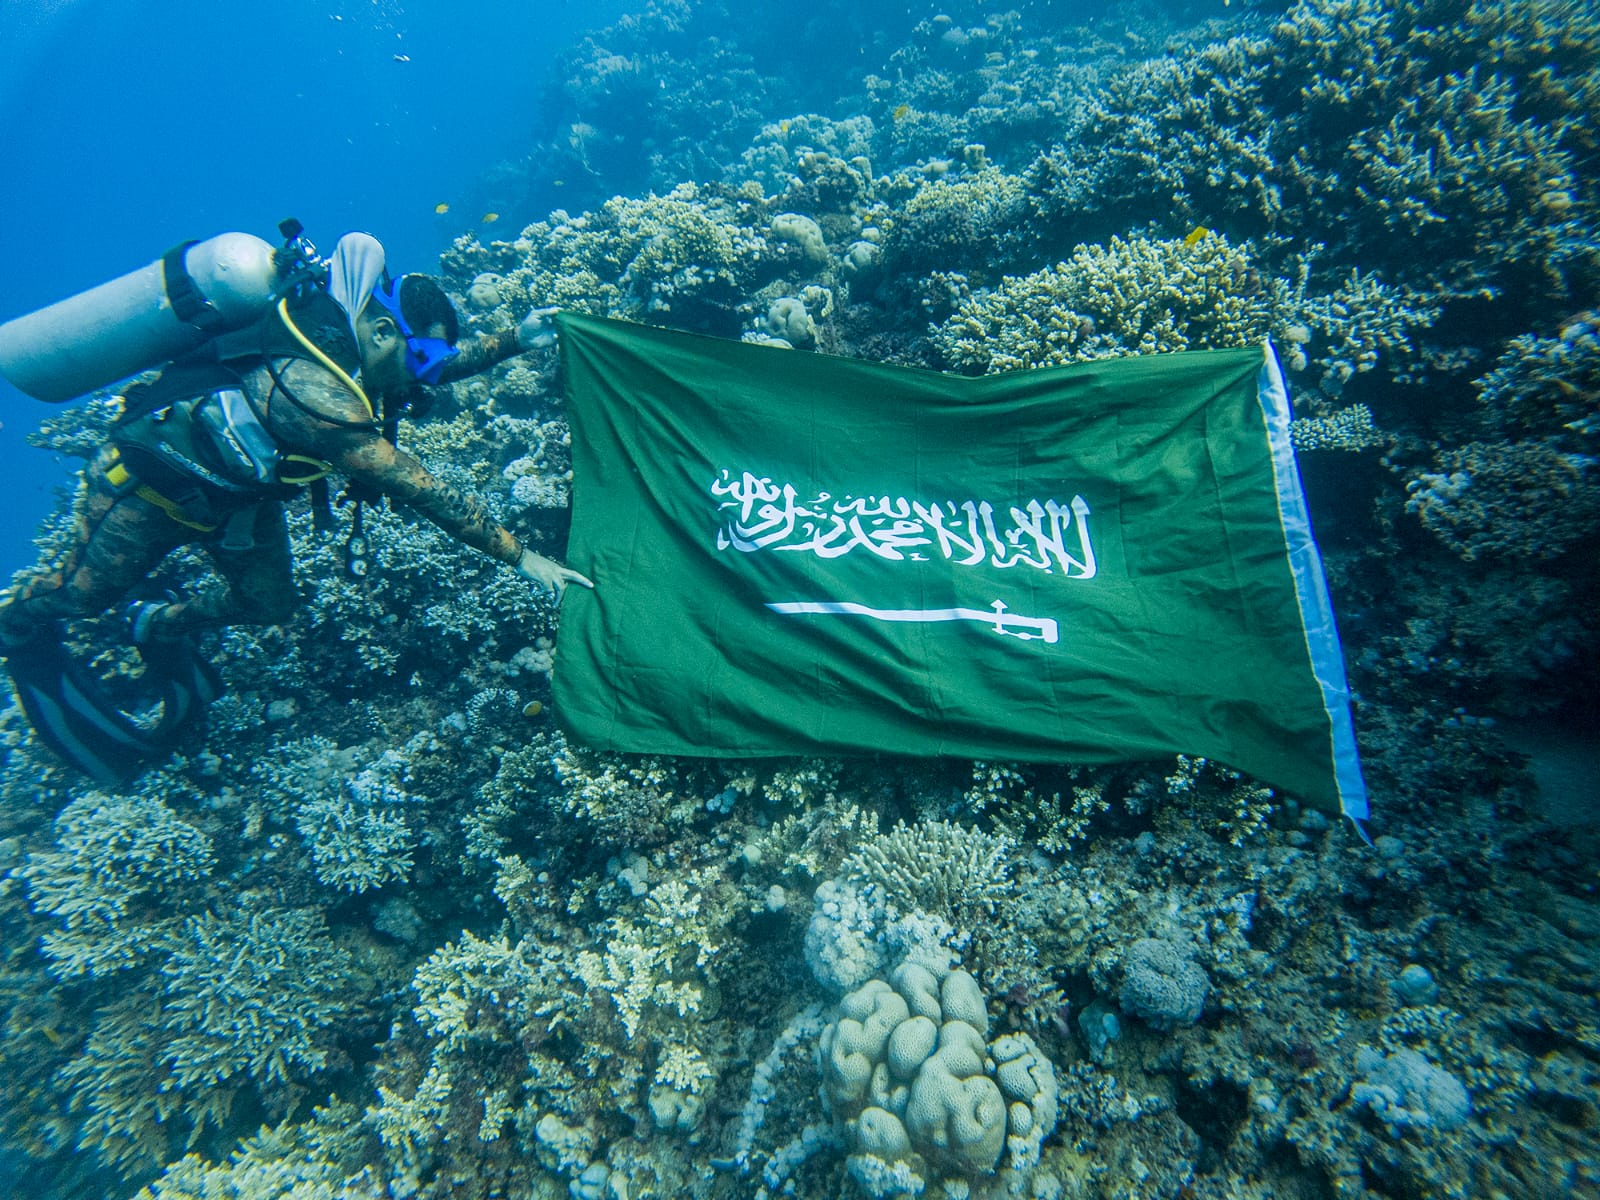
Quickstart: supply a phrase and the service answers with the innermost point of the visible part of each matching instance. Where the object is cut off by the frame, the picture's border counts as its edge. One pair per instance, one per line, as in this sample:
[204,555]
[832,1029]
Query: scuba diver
[206,452]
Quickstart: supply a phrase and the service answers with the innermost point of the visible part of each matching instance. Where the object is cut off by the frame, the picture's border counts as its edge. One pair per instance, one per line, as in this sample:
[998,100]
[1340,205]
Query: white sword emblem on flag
[996,617]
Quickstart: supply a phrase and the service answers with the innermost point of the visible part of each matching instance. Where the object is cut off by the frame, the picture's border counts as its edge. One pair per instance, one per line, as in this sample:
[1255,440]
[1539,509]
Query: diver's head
[406,333]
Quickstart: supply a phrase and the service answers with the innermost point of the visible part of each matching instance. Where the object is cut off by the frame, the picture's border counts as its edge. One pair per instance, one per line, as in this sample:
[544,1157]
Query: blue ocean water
[131,127]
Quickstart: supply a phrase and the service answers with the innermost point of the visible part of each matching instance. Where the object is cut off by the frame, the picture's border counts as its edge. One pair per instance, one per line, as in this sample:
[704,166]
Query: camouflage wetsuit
[120,537]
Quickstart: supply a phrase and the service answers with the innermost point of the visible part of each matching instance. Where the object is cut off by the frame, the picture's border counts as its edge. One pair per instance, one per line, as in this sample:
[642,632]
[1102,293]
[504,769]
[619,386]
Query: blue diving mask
[425,356]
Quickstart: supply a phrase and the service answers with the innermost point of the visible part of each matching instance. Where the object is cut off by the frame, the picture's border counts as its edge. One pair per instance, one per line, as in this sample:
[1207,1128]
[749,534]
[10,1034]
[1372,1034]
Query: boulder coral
[922,1095]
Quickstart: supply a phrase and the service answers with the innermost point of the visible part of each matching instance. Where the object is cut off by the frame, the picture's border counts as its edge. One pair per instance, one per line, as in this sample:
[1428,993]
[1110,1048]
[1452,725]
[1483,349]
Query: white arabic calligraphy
[763,515]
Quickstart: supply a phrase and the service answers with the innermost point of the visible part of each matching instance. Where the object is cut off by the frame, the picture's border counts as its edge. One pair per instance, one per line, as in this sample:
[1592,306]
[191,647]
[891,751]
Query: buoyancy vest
[194,437]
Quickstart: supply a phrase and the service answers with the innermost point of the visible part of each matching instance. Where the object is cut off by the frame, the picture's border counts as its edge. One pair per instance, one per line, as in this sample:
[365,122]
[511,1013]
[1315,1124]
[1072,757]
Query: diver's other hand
[537,330]
[548,573]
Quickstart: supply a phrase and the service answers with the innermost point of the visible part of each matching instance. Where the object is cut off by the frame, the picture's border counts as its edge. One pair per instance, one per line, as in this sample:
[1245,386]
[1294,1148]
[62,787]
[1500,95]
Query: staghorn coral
[1135,296]
[116,858]
[252,994]
[935,866]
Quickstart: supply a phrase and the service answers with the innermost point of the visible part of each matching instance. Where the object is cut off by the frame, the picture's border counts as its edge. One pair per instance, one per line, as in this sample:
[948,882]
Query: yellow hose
[316,352]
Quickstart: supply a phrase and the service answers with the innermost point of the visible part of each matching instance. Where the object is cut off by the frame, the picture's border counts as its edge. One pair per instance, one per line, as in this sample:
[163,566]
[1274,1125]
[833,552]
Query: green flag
[795,553]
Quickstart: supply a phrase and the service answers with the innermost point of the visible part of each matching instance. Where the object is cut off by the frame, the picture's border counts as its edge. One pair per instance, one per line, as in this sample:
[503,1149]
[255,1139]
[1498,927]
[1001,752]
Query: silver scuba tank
[142,319]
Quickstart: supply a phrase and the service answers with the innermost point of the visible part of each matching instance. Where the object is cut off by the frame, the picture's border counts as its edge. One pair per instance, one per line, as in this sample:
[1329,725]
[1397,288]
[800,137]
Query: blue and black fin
[72,714]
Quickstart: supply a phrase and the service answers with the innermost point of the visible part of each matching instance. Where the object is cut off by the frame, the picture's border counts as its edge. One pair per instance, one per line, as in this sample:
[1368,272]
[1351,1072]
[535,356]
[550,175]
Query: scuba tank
[151,315]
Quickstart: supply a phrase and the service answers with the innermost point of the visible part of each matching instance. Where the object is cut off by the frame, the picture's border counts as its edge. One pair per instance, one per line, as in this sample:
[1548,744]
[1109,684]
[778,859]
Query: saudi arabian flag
[801,554]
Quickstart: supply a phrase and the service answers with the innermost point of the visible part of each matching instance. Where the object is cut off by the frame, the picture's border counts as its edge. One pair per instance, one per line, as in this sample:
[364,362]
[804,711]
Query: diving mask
[425,356]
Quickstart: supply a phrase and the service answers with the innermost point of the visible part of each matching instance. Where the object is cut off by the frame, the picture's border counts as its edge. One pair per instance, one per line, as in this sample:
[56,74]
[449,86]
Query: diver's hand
[537,330]
[548,573]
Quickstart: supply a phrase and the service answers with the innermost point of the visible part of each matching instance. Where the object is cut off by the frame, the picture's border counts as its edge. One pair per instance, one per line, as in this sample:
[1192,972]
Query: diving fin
[71,716]
[188,684]
[71,713]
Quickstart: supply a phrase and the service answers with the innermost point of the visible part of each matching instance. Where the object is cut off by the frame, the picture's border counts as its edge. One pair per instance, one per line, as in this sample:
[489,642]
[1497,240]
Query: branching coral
[936,866]
[252,995]
[968,223]
[1549,385]
[242,1001]
[1135,296]
[355,846]
[1526,500]
[1011,797]
[115,859]
[321,1158]
[623,799]
[686,254]
[645,967]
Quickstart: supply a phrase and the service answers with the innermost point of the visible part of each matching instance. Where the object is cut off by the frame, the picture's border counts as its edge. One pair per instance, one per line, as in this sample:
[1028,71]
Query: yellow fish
[783,125]
[441,209]
[558,183]
[490,218]
[900,112]
[1197,235]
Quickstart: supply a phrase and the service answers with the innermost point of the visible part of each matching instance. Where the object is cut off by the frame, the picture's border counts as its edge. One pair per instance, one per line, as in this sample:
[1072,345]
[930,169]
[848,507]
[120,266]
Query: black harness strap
[188,303]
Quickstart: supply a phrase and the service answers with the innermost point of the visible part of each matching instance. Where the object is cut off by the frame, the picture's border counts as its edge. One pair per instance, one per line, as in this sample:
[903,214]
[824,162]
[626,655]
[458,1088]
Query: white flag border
[1311,589]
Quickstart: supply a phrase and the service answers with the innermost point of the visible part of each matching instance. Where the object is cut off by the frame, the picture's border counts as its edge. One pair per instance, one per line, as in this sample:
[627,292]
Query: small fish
[900,112]
[402,58]
[558,183]
[441,209]
[1197,235]
[532,709]
[490,218]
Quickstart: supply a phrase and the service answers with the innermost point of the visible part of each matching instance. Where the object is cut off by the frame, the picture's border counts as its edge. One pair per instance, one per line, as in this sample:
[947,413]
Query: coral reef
[380,930]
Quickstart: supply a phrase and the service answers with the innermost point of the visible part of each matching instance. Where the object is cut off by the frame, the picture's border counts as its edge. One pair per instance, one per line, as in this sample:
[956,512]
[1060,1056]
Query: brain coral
[1162,984]
[905,1065]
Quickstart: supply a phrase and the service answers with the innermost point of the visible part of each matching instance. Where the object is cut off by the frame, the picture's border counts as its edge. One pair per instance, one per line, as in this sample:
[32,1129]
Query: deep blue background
[127,126]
